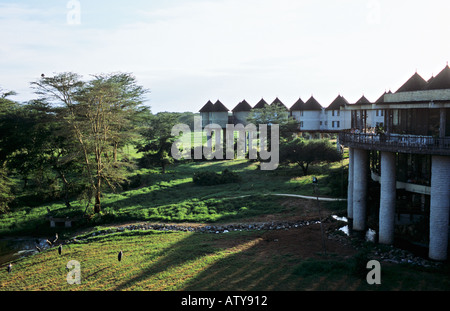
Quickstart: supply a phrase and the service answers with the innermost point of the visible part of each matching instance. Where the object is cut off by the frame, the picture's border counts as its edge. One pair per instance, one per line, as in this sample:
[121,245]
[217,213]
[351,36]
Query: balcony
[396,143]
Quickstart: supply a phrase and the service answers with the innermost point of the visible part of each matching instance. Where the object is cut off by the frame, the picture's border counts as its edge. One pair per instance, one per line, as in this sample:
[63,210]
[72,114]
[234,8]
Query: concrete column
[439,207]
[350,185]
[359,189]
[387,198]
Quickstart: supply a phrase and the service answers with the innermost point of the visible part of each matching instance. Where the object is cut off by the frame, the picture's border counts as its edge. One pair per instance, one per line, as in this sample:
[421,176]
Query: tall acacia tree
[99,114]
[6,106]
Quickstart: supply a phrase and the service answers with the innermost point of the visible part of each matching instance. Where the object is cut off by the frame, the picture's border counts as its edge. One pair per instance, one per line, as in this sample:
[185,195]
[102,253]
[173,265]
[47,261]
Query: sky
[186,52]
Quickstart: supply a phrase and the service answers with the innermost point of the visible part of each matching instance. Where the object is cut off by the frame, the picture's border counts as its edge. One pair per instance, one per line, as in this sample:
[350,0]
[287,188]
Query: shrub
[360,260]
[208,178]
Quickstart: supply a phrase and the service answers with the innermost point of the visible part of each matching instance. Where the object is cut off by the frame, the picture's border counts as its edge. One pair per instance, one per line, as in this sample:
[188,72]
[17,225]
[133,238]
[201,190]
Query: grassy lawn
[238,260]
[167,261]
[152,196]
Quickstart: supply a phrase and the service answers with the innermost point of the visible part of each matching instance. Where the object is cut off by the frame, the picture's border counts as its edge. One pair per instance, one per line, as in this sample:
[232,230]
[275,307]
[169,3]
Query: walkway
[310,197]
[296,196]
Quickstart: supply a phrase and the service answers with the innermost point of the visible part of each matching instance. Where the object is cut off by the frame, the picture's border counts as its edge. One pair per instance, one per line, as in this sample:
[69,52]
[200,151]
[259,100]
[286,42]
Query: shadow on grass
[238,261]
[180,253]
[233,271]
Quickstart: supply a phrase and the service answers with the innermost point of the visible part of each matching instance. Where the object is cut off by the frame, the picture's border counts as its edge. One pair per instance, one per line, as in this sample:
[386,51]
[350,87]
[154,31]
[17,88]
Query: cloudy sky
[187,52]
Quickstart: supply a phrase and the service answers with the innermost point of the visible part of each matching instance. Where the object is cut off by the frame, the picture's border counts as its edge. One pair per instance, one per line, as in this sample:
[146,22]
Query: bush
[359,268]
[208,178]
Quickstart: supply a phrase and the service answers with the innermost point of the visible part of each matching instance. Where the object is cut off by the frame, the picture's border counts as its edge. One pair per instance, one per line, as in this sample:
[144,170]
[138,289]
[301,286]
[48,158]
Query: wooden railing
[396,143]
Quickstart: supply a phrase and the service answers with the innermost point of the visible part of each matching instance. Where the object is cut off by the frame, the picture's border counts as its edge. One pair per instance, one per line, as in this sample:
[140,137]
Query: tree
[274,114]
[36,147]
[187,118]
[98,115]
[159,139]
[6,194]
[305,153]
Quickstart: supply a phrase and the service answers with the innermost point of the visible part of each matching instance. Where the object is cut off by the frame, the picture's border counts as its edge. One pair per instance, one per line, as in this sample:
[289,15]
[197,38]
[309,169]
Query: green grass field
[167,261]
[153,196]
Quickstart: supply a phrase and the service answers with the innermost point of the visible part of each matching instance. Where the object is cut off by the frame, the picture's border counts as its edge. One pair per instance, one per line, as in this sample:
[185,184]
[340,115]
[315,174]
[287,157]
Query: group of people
[369,130]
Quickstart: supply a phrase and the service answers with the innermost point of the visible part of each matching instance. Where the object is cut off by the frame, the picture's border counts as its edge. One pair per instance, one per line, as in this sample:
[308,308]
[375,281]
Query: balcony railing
[396,143]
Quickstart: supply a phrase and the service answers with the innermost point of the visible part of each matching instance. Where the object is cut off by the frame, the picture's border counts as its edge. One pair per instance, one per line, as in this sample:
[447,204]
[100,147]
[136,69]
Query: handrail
[396,142]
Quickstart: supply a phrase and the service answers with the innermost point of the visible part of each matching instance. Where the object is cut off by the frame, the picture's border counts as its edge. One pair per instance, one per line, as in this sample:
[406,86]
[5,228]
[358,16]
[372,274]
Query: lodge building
[401,141]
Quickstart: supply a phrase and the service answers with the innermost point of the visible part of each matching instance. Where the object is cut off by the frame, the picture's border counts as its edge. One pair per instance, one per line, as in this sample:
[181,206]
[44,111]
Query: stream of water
[14,248]
[370,234]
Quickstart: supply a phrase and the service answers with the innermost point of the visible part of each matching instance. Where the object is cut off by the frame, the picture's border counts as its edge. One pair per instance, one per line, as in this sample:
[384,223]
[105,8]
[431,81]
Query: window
[335,113]
[335,124]
[301,123]
[380,113]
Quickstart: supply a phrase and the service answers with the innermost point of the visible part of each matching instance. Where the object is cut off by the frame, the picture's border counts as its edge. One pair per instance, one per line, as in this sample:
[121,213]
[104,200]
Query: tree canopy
[274,114]
[158,139]
[98,117]
[306,152]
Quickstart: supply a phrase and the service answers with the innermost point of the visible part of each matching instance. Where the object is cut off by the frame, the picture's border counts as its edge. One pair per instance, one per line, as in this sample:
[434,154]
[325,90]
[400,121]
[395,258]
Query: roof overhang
[427,95]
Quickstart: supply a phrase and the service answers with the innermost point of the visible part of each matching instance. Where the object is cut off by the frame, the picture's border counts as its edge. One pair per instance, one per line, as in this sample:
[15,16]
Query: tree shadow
[259,260]
[158,193]
[194,247]
[218,165]
[175,255]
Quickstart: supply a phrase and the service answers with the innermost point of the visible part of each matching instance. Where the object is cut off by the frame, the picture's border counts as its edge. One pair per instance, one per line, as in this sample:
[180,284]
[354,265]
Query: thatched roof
[219,107]
[208,107]
[278,102]
[380,100]
[415,83]
[298,106]
[441,81]
[242,106]
[336,104]
[312,104]
[363,101]
[261,104]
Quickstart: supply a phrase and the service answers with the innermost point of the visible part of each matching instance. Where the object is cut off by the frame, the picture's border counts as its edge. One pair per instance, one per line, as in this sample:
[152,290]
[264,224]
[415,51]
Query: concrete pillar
[350,185]
[387,198]
[359,189]
[439,207]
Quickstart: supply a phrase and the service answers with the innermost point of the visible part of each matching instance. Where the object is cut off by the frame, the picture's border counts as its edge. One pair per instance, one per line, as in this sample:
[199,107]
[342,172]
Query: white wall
[311,120]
